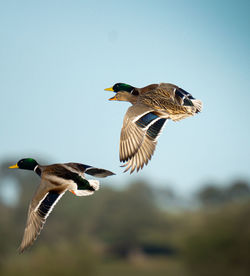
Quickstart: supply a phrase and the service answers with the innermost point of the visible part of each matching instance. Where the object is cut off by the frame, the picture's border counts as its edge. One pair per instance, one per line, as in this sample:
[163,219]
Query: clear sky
[56,57]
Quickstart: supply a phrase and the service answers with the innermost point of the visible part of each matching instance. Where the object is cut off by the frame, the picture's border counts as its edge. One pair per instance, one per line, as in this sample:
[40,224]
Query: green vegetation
[127,233]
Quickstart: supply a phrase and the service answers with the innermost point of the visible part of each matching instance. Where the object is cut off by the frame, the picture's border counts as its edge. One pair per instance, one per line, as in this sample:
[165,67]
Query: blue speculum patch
[155,128]
[146,119]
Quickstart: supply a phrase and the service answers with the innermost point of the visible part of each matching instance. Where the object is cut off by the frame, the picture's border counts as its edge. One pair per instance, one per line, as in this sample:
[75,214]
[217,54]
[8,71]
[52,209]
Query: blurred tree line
[130,232]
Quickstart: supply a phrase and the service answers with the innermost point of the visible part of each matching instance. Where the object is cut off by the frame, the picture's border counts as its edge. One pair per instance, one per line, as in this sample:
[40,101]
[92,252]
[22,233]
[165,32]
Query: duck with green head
[56,179]
[123,87]
[152,106]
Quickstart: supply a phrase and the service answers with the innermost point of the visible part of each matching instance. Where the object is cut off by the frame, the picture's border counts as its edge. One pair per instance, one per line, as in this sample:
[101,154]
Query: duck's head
[124,92]
[25,164]
[120,87]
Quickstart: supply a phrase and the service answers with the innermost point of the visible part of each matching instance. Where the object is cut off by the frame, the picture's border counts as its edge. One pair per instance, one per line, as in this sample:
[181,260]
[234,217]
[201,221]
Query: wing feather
[147,147]
[40,207]
[82,168]
[131,135]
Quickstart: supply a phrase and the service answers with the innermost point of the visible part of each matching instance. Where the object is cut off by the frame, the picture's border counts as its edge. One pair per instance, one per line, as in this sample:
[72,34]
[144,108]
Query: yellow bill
[109,89]
[14,167]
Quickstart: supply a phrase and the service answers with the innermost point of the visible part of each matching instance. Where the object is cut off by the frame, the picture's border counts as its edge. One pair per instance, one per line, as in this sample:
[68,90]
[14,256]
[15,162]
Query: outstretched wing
[132,135]
[40,207]
[140,131]
[81,168]
[98,172]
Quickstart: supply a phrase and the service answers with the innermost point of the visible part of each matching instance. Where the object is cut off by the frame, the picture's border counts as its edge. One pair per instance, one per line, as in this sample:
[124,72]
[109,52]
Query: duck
[56,179]
[152,106]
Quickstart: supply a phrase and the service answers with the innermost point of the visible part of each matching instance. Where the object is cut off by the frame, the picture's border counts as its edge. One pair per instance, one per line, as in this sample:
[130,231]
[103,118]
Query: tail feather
[198,105]
[93,183]
[83,192]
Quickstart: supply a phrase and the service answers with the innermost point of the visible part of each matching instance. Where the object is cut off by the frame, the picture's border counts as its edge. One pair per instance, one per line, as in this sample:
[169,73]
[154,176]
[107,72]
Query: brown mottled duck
[143,122]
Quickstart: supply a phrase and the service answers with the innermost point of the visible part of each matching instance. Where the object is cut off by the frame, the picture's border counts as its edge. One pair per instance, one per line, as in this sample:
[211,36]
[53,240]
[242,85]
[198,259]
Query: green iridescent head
[25,164]
[120,87]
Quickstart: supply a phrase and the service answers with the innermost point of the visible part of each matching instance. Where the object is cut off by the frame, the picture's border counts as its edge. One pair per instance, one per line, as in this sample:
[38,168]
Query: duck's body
[151,107]
[56,179]
[170,100]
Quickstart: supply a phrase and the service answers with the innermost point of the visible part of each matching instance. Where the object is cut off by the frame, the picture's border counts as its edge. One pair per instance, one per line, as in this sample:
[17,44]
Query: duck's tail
[198,105]
[94,185]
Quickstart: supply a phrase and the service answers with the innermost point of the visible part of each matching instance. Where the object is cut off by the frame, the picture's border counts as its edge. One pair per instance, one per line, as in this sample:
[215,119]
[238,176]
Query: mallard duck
[143,123]
[56,179]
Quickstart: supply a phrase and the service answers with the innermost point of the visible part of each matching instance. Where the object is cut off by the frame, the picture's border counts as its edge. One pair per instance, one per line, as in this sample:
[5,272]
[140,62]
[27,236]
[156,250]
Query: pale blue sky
[56,57]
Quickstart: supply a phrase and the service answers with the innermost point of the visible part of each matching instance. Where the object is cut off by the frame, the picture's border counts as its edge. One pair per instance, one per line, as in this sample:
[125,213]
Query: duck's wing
[81,169]
[147,148]
[131,134]
[141,129]
[40,207]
